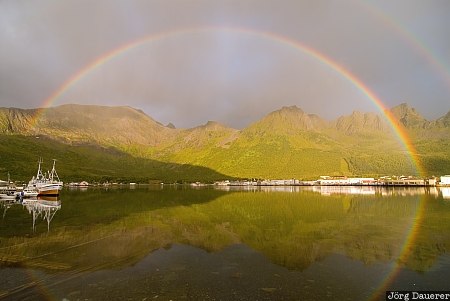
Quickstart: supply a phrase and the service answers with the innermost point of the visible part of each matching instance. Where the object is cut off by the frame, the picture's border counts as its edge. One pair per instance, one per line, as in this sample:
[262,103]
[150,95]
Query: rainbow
[413,42]
[320,57]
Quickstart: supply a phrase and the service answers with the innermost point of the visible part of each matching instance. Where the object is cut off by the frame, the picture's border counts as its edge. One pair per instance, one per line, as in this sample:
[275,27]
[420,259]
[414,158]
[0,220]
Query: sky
[190,61]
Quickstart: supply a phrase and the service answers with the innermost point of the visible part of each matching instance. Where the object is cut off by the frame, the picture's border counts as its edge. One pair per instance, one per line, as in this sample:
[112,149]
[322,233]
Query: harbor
[409,181]
[43,184]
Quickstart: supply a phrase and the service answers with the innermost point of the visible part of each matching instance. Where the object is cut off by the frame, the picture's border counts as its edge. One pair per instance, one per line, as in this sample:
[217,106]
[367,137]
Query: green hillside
[291,144]
[122,143]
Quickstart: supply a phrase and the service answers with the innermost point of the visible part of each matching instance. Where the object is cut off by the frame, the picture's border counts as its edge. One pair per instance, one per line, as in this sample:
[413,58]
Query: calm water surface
[179,243]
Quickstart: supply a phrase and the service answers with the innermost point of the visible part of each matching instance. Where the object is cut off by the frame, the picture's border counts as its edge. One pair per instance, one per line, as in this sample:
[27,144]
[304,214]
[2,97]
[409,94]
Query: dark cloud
[398,49]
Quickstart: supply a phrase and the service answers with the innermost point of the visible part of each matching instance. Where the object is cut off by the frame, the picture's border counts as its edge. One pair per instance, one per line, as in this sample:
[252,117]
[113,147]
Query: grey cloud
[225,75]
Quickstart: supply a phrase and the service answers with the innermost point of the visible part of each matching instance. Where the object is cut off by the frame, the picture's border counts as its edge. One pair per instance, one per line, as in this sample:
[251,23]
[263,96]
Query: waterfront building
[325,180]
[445,180]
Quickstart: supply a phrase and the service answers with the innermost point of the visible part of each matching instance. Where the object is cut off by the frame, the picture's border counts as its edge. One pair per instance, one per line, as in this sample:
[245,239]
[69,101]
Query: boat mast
[39,175]
[53,173]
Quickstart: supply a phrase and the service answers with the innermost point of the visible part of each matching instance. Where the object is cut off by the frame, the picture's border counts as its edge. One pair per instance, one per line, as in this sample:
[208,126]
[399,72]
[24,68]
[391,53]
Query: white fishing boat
[29,192]
[46,185]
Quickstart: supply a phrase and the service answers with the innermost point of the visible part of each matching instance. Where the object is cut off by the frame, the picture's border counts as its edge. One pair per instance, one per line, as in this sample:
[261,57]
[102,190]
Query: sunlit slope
[287,143]
[433,144]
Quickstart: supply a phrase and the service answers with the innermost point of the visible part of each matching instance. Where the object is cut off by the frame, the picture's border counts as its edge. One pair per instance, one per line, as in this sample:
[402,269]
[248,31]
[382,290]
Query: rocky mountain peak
[359,122]
[444,121]
[213,125]
[170,125]
[408,116]
[291,109]
[288,119]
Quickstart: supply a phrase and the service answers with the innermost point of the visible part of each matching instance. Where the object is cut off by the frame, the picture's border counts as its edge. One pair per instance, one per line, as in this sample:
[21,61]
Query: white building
[362,181]
[345,181]
[445,180]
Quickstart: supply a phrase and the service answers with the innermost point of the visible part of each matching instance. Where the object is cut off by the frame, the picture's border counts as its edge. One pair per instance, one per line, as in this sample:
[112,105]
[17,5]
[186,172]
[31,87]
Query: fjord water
[181,243]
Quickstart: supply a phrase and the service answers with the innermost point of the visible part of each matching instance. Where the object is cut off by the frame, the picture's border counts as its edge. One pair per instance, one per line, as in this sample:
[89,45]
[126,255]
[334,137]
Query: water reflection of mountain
[294,230]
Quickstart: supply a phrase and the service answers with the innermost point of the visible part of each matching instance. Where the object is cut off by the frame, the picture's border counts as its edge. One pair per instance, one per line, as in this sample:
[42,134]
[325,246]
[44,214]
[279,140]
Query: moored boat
[49,189]
[29,192]
[46,185]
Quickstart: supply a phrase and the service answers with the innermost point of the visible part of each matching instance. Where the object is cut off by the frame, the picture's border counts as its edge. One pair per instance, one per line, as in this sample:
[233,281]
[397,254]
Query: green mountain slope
[290,143]
[101,142]
[284,144]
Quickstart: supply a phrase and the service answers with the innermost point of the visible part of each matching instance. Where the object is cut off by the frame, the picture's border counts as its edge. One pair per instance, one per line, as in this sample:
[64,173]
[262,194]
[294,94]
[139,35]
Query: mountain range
[112,143]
